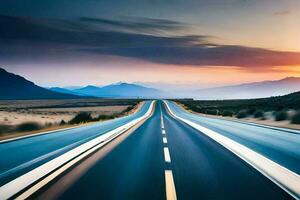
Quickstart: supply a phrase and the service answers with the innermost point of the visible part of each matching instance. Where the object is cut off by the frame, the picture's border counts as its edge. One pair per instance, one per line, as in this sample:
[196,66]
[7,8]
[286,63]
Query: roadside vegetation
[24,127]
[79,118]
[296,118]
[84,117]
[279,108]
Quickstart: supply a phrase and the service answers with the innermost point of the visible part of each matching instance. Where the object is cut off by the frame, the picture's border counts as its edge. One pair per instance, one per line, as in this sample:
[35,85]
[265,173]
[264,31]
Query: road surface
[167,159]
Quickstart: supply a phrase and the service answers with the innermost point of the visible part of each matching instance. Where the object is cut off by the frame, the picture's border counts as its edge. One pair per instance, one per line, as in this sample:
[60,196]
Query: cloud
[246,58]
[29,39]
[77,33]
[137,24]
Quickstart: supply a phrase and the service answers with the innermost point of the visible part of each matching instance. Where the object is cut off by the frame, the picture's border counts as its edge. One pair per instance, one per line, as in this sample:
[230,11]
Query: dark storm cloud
[203,55]
[72,32]
[27,38]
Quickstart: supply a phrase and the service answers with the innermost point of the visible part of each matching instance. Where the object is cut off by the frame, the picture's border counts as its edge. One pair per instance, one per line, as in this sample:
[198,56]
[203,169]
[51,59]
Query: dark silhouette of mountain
[16,87]
[121,90]
[251,90]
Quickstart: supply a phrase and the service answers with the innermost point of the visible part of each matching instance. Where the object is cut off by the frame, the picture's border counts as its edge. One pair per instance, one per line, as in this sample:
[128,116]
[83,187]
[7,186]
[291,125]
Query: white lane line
[163,131]
[283,177]
[165,140]
[36,160]
[162,121]
[56,173]
[167,155]
[32,177]
[170,186]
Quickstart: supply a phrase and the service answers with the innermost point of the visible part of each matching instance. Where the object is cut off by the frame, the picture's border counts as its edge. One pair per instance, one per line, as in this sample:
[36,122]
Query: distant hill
[121,90]
[88,90]
[64,90]
[16,87]
[250,90]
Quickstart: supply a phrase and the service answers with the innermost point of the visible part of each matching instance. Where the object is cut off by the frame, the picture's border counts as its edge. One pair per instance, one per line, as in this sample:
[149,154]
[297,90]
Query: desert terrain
[49,114]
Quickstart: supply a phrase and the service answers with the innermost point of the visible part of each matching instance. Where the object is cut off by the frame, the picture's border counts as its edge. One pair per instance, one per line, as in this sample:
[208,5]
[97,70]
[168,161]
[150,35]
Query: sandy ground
[16,104]
[53,115]
[15,112]
[269,122]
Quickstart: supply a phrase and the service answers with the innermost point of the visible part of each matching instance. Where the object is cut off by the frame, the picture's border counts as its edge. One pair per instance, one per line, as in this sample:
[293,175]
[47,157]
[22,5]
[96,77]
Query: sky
[164,43]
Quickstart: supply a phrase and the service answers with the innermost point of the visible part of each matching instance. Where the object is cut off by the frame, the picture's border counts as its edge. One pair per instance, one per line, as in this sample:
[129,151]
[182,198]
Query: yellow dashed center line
[170,186]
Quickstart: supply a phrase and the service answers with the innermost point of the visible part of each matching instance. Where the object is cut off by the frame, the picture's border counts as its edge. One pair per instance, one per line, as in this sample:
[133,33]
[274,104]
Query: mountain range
[16,87]
[65,91]
[250,90]
[13,86]
[117,90]
[240,91]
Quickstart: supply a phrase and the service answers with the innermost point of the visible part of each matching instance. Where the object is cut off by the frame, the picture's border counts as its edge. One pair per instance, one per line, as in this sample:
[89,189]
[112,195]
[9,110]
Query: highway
[166,158]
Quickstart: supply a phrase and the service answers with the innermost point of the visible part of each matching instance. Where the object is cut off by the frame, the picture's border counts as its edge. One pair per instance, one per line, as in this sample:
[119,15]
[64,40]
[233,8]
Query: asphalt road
[20,156]
[173,161]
